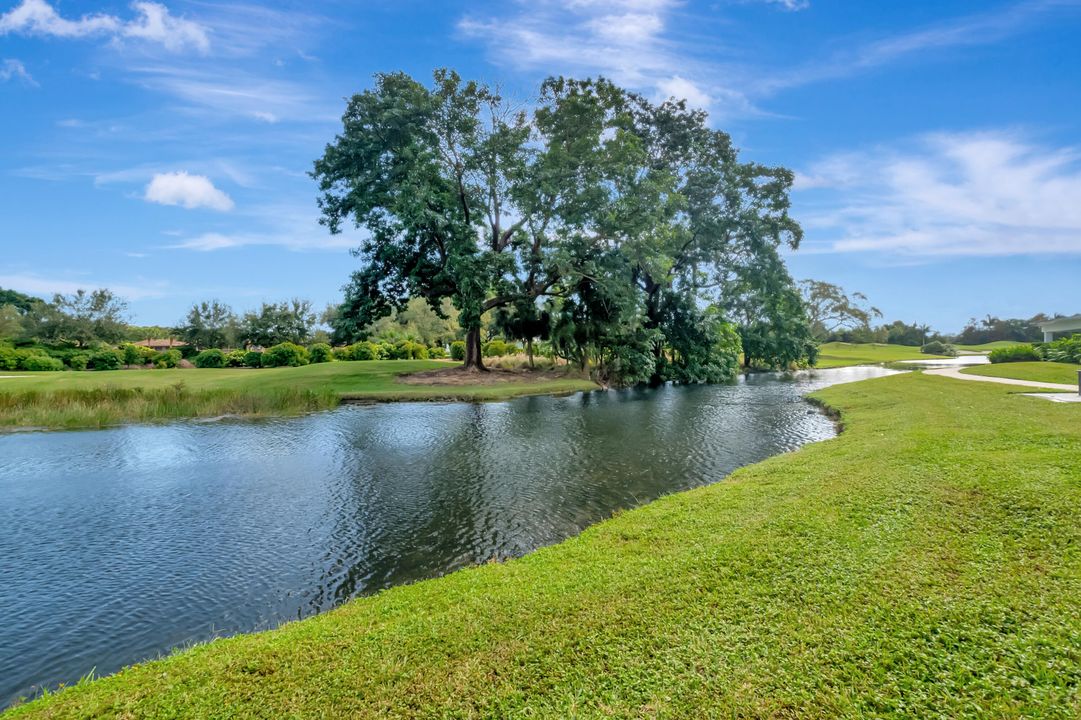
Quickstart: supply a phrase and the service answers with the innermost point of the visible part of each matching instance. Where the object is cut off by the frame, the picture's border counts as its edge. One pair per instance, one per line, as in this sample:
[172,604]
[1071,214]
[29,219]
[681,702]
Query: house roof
[1064,323]
[161,342]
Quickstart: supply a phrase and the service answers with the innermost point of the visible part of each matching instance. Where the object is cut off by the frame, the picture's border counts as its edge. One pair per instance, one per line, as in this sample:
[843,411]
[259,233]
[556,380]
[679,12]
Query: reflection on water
[120,544]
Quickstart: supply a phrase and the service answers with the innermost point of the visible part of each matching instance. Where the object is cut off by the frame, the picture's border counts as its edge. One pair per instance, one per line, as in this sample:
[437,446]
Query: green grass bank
[99,399]
[839,354]
[925,563]
[1052,372]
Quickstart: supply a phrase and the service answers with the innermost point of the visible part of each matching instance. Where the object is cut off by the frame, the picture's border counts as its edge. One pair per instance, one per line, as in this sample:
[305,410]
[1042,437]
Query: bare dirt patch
[458,376]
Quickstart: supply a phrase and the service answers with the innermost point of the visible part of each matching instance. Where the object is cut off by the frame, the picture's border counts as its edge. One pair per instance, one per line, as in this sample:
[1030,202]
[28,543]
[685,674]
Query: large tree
[209,324]
[612,220]
[464,195]
[830,309]
[81,318]
[273,323]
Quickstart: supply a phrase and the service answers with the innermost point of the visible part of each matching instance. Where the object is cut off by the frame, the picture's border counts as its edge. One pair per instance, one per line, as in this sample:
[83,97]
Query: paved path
[958,375]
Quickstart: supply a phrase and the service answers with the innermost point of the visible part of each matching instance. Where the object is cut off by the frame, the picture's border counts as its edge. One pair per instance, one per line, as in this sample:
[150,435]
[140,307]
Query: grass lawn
[96,399]
[1052,372]
[988,346]
[839,354]
[926,563]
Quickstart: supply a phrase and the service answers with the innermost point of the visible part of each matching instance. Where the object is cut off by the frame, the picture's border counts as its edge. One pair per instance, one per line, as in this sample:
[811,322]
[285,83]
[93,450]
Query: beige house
[1063,326]
[161,344]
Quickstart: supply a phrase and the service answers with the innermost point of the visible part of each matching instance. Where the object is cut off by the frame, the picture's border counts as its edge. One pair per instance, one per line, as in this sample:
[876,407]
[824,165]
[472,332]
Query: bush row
[1066,350]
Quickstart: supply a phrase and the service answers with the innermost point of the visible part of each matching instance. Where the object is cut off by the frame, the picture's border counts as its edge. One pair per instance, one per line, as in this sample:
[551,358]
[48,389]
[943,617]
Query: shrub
[320,353]
[437,352]
[212,358]
[253,358]
[8,359]
[939,348]
[168,359]
[78,362]
[132,354]
[1067,350]
[1014,353]
[235,358]
[418,351]
[106,360]
[457,350]
[399,350]
[285,354]
[41,363]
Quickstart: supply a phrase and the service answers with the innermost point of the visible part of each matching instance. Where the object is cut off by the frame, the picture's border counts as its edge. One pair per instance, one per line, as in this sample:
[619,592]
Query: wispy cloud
[152,23]
[968,31]
[948,194]
[11,69]
[45,286]
[644,44]
[189,191]
[630,41]
[291,227]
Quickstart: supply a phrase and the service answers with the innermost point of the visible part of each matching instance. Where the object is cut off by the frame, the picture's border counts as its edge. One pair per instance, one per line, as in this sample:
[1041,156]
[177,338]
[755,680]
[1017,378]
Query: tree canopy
[595,217]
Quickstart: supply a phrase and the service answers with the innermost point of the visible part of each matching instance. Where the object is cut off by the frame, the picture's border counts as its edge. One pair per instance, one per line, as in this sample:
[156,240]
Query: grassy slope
[240,391]
[988,346]
[838,354]
[925,563]
[1051,372]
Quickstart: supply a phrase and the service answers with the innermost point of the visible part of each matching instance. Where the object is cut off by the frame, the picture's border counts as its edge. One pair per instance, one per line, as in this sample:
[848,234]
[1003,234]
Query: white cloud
[190,191]
[633,42]
[157,25]
[683,89]
[983,193]
[294,227]
[14,70]
[46,286]
[152,23]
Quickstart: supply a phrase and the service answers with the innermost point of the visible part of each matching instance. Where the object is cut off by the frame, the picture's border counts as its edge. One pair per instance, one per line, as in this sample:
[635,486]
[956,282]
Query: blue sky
[161,149]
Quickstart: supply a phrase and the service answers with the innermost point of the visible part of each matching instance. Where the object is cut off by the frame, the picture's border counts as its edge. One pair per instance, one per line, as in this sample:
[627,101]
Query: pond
[118,545]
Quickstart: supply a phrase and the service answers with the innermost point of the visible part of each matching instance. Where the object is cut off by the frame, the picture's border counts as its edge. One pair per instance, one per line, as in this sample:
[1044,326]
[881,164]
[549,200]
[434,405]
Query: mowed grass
[838,354]
[926,563]
[987,346]
[1051,372]
[98,399]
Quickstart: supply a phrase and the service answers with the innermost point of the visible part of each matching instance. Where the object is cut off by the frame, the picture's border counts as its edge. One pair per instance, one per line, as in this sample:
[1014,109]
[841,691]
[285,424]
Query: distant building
[161,344]
[1061,326]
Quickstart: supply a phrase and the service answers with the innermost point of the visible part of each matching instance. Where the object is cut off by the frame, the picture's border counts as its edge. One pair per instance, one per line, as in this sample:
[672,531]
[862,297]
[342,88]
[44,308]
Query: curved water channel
[118,545]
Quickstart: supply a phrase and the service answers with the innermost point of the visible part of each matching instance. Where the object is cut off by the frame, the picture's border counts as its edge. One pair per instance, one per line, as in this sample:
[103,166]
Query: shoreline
[798,582]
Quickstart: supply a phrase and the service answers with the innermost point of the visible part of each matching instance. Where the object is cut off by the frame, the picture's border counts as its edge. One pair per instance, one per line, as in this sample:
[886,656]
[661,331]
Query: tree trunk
[473,359]
[529,349]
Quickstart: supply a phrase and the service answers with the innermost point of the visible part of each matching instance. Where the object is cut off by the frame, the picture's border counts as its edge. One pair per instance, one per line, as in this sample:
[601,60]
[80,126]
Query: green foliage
[8,359]
[937,347]
[209,324]
[23,303]
[285,354]
[457,350]
[1065,350]
[79,361]
[498,348]
[363,350]
[106,360]
[235,358]
[168,359]
[437,352]
[11,321]
[290,321]
[82,318]
[992,329]
[132,354]
[830,310]
[320,353]
[212,358]
[1024,352]
[253,359]
[41,363]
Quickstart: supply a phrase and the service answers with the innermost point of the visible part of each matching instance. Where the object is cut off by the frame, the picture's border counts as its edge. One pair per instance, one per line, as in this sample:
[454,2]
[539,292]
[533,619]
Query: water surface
[118,545]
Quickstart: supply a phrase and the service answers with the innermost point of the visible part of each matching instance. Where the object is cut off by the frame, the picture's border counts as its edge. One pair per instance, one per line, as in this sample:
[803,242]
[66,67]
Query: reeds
[101,407]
